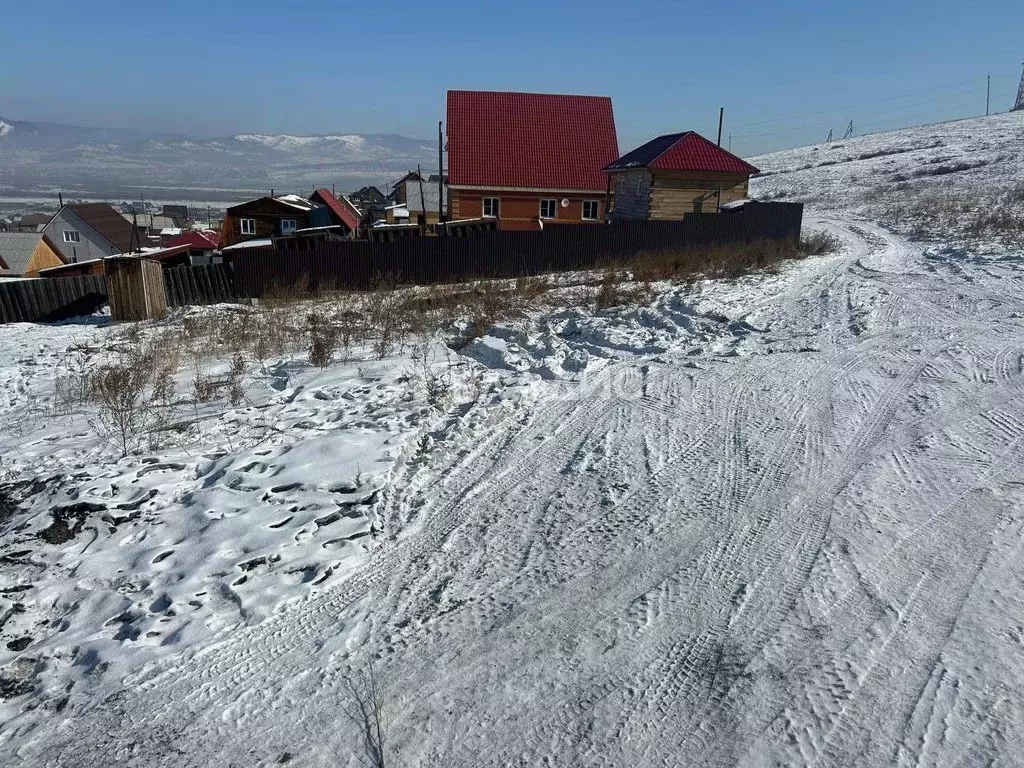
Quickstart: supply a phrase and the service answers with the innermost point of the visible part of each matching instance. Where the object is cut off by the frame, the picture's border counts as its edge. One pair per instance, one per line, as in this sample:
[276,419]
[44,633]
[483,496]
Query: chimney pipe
[60,199]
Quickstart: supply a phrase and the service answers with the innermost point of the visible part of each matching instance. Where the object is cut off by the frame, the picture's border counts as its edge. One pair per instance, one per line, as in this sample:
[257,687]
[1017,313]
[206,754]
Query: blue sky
[786,72]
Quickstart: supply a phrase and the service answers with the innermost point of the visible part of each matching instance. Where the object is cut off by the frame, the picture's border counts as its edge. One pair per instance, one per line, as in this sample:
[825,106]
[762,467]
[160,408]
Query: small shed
[135,288]
[676,174]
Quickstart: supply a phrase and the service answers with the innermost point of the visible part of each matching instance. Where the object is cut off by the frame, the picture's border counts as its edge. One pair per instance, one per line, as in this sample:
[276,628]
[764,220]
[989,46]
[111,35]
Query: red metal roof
[687,151]
[200,240]
[530,140]
[340,208]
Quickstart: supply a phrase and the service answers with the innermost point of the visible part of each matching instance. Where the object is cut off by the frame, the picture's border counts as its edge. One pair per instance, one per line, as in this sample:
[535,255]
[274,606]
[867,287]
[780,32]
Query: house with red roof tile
[677,174]
[529,160]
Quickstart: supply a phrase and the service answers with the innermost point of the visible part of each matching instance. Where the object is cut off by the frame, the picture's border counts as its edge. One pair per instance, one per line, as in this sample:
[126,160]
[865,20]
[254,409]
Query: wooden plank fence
[355,265]
[209,284]
[51,299]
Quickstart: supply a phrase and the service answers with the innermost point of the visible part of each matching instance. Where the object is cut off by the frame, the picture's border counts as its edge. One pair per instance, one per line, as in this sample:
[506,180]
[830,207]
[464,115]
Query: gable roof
[200,240]
[688,151]
[17,249]
[107,222]
[369,192]
[37,220]
[342,209]
[529,140]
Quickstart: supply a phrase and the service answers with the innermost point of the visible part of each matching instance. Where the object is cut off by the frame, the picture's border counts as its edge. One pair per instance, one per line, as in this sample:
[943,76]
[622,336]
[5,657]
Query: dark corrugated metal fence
[356,265]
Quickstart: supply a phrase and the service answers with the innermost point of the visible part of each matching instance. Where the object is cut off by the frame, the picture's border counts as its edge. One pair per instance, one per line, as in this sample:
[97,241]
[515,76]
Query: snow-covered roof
[249,244]
[328,228]
[296,201]
[734,204]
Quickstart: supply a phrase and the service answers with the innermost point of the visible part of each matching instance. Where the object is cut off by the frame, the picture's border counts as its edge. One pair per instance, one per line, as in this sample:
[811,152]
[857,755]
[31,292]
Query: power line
[818,124]
[961,84]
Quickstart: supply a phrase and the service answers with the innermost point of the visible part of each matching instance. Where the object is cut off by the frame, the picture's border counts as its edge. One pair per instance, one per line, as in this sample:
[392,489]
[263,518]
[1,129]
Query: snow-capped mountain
[39,158]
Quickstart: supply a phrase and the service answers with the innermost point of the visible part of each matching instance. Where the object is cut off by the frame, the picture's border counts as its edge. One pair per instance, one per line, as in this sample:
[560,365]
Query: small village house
[87,231]
[422,204]
[336,212]
[202,245]
[677,174]
[266,218]
[30,222]
[400,189]
[529,159]
[23,254]
[371,203]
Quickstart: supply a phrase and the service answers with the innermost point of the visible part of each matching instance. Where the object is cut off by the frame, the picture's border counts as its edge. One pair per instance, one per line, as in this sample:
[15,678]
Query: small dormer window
[71,236]
[288,226]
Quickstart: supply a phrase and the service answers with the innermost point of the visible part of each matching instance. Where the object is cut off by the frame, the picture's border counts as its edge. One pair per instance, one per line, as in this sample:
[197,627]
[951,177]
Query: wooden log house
[677,174]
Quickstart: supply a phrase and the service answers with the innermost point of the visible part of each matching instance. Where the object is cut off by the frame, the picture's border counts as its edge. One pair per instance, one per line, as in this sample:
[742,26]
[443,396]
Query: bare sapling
[367,710]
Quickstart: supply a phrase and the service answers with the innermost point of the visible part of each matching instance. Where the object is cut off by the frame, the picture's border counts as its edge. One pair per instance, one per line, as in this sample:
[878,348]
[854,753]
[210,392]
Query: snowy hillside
[38,158]
[771,520]
[959,182]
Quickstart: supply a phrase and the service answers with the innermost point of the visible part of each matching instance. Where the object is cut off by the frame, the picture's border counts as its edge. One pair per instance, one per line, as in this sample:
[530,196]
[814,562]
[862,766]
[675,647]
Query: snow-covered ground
[958,184]
[769,521]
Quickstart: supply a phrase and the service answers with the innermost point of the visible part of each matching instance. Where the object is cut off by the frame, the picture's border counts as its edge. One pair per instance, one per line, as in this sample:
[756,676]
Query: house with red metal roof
[677,174]
[529,159]
[202,243]
[343,213]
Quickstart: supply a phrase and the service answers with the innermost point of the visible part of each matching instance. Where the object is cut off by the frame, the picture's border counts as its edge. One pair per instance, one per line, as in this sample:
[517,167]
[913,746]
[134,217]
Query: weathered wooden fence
[426,260]
[51,299]
[211,284]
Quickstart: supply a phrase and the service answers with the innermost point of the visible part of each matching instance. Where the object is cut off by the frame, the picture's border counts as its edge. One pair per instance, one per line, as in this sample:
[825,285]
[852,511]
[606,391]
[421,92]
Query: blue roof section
[643,156]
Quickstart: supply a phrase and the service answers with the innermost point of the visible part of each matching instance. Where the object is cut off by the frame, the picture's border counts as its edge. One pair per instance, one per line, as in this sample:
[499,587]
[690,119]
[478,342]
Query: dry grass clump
[819,243]
[727,261]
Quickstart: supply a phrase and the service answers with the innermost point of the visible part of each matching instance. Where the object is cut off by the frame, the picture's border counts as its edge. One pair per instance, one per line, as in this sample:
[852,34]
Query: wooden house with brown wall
[677,174]
[529,160]
[266,218]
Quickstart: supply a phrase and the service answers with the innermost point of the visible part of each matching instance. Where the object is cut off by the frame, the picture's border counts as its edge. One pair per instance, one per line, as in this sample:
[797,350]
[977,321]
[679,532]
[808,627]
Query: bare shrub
[609,294]
[529,289]
[367,710]
[383,309]
[323,338]
[204,388]
[71,382]
[820,243]
[119,389]
[436,386]
[236,386]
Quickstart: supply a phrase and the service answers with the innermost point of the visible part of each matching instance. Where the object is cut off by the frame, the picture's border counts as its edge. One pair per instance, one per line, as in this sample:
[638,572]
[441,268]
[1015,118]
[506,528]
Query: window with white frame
[248,226]
[548,209]
[492,207]
[288,226]
[71,236]
[590,209]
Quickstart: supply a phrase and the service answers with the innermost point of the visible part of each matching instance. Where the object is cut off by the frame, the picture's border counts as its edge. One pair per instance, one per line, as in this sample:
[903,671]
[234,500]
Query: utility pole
[440,174]
[423,201]
[849,130]
[1019,105]
[988,93]
[730,142]
[721,119]
[829,139]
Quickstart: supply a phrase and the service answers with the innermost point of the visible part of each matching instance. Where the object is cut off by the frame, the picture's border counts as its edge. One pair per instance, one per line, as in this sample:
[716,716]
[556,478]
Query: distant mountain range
[39,159]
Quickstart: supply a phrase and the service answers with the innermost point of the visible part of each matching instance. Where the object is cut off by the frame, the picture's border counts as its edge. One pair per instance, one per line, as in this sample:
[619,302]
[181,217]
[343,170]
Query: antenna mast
[1017,107]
